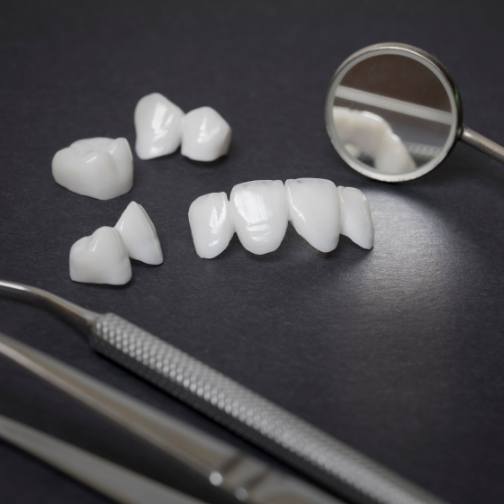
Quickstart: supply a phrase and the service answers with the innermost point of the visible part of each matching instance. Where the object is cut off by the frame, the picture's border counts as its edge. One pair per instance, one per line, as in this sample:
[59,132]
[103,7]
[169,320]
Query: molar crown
[101,168]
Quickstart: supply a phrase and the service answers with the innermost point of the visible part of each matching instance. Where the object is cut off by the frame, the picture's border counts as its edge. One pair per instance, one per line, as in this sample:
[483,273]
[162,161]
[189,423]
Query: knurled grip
[332,463]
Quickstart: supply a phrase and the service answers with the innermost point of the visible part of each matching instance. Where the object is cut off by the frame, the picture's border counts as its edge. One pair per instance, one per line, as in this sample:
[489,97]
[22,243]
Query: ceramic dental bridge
[326,460]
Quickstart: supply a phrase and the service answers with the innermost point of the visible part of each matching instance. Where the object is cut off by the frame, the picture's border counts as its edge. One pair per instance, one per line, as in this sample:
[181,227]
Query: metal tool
[299,444]
[411,94]
[236,473]
[116,482]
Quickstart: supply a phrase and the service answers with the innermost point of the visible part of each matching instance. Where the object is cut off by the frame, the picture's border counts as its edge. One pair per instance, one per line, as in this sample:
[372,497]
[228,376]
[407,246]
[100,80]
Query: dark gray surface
[399,351]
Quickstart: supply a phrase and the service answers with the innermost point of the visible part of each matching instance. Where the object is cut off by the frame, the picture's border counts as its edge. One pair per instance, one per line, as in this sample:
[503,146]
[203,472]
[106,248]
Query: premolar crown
[161,127]
[259,212]
[139,235]
[100,258]
[104,256]
[206,135]
[158,125]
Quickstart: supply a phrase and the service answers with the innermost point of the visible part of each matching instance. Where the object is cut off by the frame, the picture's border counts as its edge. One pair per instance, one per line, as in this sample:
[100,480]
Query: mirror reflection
[392,114]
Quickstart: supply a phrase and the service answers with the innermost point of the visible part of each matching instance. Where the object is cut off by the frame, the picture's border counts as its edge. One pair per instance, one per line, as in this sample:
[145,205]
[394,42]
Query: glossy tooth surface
[101,168]
[356,221]
[211,224]
[158,125]
[139,235]
[100,258]
[393,156]
[314,211]
[362,130]
[260,214]
[206,135]
[368,133]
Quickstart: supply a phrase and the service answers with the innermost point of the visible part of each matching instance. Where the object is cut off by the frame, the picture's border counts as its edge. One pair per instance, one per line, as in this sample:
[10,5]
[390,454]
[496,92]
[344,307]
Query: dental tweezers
[112,480]
[325,459]
[237,474]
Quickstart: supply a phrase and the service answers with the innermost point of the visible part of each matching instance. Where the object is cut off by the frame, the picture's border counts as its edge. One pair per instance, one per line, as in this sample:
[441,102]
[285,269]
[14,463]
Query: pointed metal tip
[73,313]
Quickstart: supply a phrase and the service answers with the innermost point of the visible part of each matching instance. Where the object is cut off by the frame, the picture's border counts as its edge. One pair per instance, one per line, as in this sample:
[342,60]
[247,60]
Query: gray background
[398,352]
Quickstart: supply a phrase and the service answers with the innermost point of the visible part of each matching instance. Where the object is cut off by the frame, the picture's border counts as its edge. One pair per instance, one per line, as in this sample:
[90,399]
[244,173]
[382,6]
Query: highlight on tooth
[314,211]
[368,135]
[101,168]
[100,258]
[356,220]
[158,126]
[139,235]
[259,212]
[211,225]
[206,135]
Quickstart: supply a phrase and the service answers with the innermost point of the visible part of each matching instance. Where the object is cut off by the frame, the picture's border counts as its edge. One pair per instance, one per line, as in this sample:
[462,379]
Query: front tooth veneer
[211,224]
[101,168]
[158,125]
[314,211]
[139,235]
[206,135]
[259,211]
[260,214]
[100,258]
[356,221]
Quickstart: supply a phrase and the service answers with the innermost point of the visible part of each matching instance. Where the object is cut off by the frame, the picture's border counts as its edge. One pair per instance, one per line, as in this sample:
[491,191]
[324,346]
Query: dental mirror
[393,113]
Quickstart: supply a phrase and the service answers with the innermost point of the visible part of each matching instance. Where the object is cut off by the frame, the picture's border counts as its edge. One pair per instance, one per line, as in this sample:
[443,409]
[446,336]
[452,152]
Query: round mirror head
[392,112]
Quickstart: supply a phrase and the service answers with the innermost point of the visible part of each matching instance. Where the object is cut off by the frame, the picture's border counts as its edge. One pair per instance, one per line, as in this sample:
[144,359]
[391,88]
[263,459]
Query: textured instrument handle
[275,430]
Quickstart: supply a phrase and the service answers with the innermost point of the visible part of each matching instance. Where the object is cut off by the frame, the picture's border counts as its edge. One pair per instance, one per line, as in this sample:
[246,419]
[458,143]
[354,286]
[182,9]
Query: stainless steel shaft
[116,482]
[335,465]
[482,143]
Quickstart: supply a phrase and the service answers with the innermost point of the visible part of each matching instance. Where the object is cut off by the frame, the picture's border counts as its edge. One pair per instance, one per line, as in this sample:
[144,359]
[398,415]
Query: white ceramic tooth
[211,224]
[206,135]
[365,132]
[393,156]
[100,258]
[356,221]
[360,130]
[139,235]
[101,168]
[314,211]
[260,214]
[158,125]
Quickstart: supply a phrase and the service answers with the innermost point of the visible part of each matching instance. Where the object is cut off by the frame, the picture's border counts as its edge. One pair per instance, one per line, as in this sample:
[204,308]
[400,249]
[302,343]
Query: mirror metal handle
[482,143]
[409,93]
